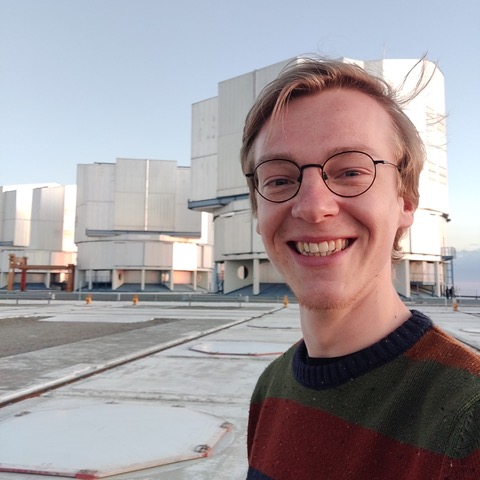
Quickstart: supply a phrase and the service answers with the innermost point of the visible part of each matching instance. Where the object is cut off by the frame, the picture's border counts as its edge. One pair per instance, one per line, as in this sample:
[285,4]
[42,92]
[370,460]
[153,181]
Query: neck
[341,331]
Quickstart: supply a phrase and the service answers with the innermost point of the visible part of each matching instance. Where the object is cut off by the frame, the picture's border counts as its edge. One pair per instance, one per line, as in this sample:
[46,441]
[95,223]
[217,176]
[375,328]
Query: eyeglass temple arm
[384,162]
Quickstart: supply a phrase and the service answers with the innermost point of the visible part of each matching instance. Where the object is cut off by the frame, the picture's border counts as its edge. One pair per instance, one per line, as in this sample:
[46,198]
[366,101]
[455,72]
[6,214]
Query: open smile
[321,249]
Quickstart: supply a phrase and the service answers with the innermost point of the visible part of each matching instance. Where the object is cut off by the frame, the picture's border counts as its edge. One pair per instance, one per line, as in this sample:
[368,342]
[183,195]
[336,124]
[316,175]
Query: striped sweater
[406,408]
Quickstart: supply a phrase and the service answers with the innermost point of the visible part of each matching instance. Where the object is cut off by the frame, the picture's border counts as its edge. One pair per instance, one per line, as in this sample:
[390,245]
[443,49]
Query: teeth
[322,249]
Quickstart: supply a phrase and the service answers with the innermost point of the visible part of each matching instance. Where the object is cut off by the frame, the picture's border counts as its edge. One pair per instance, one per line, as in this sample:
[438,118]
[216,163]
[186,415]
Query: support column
[402,278]
[438,283]
[194,280]
[23,280]
[172,283]
[142,281]
[256,276]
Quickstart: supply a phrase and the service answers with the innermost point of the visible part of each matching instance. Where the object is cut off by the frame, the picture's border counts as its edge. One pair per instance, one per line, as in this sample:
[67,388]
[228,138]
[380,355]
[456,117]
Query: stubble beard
[321,303]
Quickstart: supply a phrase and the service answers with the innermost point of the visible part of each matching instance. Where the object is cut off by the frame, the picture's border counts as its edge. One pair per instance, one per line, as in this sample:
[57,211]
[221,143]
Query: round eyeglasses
[346,174]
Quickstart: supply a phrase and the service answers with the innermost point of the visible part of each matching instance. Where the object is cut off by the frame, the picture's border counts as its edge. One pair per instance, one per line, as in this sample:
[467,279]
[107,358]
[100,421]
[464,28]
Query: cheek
[266,220]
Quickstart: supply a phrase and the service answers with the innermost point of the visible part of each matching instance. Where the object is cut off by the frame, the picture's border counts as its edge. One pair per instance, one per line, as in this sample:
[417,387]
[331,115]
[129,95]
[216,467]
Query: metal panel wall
[9,217]
[236,96]
[95,182]
[159,254]
[203,185]
[22,211]
[184,256]
[160,214]
[47,218]
[128,254]
[233,235]
[145,195]
[185,220]
[2,213]
[130,194]
[69,210]
[265,75]
[205,128]
[204,161]
[95,255]
[95,196]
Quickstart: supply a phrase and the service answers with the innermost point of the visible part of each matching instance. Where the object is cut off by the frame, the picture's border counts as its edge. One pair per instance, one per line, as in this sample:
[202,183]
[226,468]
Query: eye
[279,182]
[351,173]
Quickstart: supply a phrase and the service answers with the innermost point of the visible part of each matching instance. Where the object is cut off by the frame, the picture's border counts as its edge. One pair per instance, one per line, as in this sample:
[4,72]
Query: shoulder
[280,368]
[440,348]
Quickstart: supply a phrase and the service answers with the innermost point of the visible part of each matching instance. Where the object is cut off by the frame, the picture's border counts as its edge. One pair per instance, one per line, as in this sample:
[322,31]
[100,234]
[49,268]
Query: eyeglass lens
[347,174]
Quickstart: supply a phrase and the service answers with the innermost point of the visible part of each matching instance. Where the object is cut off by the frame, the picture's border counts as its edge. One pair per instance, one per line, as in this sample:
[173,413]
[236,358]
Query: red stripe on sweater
[455,355]
[291,441]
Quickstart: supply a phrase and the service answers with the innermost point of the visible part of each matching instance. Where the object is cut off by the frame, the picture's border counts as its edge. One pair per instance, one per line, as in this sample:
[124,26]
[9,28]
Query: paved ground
[158,363]
[23,335]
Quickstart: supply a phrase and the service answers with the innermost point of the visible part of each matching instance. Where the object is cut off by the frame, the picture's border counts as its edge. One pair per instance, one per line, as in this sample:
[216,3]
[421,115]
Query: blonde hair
[307,76]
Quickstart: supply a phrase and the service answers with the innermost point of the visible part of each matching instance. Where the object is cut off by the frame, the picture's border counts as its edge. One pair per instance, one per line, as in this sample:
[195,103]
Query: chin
[319,300]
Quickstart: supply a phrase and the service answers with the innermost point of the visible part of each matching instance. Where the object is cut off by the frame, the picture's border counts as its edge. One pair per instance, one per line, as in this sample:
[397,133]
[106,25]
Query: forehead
[324,123]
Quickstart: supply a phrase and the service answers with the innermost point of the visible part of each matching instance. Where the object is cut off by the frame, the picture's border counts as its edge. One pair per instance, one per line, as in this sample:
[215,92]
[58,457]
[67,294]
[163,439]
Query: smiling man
[374,390]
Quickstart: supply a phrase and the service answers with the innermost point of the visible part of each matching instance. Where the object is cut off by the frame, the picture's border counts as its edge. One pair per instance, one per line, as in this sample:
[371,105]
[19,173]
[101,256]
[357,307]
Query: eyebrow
[330,153]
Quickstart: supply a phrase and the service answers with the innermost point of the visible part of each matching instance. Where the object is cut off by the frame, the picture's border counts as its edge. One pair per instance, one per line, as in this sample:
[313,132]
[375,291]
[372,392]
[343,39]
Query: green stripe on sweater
[423,403]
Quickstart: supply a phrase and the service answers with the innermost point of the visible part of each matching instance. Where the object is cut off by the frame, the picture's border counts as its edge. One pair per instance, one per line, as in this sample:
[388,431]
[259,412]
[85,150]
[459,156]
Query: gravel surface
[22,335]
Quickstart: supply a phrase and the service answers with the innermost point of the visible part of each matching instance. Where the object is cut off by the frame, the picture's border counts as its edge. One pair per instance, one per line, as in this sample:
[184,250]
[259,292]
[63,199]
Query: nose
[314,202]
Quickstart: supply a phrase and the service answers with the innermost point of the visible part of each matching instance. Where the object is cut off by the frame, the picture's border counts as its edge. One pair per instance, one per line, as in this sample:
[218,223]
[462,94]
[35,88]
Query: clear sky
[85,81]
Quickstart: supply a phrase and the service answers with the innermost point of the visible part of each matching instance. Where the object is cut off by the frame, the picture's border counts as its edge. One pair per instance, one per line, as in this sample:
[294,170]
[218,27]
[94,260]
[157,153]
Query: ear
[407,212]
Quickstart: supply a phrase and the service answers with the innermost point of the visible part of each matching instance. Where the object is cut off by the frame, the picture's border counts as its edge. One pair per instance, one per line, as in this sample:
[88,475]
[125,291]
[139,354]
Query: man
[373,391]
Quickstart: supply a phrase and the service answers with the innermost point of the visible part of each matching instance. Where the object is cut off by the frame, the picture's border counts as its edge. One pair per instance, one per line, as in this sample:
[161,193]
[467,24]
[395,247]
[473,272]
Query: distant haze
[466,270]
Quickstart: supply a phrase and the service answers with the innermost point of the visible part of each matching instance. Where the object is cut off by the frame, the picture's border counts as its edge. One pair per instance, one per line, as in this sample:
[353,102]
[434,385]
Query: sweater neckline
[343,369]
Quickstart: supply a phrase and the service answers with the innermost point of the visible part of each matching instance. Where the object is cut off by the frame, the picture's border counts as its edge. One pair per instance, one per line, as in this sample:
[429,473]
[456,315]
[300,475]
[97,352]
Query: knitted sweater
[408,407]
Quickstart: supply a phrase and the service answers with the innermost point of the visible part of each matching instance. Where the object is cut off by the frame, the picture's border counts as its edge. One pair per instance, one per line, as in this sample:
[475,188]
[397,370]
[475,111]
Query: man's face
[358,232]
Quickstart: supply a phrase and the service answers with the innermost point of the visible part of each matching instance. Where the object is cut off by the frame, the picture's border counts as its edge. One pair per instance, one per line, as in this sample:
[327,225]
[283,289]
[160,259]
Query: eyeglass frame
[251,176]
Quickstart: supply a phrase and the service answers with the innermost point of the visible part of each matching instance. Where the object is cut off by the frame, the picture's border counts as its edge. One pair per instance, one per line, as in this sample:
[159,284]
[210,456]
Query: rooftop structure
[134,229]
[37,223]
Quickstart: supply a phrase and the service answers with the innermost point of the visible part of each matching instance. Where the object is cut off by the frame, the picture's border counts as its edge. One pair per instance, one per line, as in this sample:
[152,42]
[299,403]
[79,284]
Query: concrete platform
[158,368]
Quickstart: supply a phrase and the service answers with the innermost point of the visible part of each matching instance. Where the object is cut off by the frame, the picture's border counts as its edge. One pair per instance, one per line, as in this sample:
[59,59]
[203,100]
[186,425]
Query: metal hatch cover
[240,348]
[96,440]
